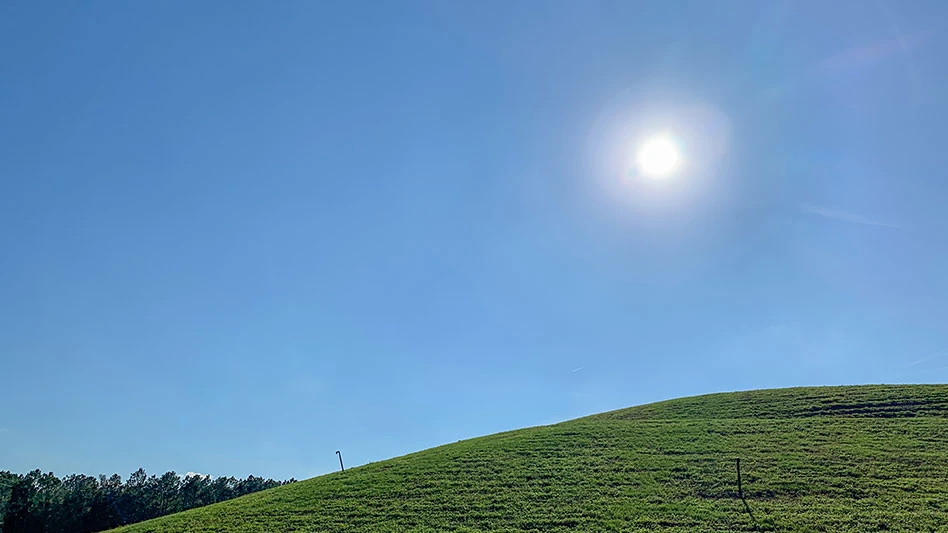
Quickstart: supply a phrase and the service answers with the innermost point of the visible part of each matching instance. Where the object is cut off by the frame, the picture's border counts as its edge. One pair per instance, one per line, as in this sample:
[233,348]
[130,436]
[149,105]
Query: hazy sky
[238,236]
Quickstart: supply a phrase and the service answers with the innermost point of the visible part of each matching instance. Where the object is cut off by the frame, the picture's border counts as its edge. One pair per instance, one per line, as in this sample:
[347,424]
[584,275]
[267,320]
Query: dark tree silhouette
[38,502]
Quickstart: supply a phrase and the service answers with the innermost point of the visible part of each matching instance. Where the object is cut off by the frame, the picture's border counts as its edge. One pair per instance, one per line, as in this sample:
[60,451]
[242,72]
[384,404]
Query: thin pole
[740,491]
[344,468]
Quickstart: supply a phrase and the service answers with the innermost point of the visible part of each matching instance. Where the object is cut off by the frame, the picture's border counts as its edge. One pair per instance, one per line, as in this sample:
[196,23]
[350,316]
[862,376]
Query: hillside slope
[867,458]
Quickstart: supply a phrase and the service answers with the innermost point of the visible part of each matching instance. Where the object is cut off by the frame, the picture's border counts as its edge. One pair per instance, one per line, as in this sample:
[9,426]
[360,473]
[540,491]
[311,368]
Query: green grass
[868,458]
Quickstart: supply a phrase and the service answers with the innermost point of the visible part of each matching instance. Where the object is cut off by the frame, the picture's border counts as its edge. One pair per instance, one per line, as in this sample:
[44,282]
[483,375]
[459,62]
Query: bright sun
[658,157]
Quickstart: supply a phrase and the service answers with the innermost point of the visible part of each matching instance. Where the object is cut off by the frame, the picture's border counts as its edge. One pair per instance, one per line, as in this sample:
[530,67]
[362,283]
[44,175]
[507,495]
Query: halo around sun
[658,157]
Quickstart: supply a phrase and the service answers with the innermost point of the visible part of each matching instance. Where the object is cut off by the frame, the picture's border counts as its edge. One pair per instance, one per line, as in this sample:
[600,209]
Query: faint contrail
[846,216]
[930,358]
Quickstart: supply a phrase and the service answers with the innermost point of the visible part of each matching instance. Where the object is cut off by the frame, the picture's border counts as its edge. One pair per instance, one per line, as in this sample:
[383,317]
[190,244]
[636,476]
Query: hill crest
[870,401]
[863,458]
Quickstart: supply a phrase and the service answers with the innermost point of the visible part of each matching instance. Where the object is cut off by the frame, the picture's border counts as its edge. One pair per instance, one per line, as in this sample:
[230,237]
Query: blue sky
[239,236]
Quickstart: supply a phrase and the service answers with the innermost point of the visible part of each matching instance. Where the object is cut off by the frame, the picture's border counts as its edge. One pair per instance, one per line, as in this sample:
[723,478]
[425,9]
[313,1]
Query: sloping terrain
[867,458]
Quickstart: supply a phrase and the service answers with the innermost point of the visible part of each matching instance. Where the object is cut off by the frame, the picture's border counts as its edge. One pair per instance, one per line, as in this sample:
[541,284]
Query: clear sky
[238,236]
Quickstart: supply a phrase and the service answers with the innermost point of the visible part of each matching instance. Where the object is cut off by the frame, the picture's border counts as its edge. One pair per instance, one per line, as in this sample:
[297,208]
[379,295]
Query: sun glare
[658,157]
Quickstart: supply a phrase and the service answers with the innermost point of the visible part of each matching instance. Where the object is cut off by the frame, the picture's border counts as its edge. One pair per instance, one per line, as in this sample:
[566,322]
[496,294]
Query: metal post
[740,491]
[340,461]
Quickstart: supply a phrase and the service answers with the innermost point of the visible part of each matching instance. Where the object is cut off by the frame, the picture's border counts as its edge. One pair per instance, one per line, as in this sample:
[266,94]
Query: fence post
[740,490]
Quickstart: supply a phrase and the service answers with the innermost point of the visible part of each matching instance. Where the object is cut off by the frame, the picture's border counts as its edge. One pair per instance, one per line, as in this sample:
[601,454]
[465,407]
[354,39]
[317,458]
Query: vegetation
[871,458]
[38,502]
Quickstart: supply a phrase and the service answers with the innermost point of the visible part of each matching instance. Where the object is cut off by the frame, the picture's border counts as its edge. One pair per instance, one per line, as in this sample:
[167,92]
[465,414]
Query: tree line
[38,502]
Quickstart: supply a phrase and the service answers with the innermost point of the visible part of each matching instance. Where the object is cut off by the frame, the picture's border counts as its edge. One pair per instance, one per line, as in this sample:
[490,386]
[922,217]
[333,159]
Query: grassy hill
[868,458]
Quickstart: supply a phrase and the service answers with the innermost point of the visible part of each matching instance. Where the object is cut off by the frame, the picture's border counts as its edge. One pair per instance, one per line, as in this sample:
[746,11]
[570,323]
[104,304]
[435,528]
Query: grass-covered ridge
[875,401]
[868,458]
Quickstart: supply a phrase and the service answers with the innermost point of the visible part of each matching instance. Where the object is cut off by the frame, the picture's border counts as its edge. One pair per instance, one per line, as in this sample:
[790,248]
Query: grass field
[868,458]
